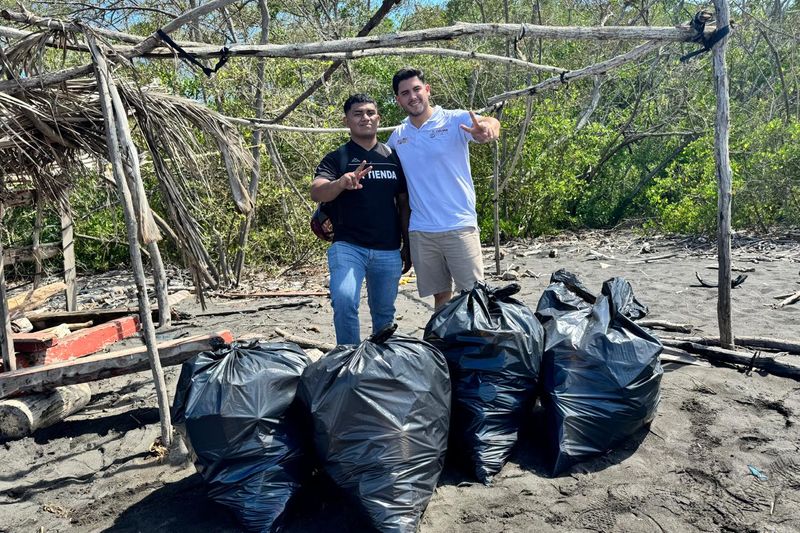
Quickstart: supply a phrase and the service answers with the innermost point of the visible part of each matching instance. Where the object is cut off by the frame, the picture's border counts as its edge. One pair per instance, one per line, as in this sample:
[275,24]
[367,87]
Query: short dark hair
[406,73]
[358,98]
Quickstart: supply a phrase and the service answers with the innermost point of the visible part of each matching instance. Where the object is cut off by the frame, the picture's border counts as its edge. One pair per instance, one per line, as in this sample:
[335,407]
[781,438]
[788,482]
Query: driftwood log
[47,319]
[271,294]
[19,417]
[32,299]
[265,307]
[749,342]
[667,326]
[304,342]
[748,360]
[792,298]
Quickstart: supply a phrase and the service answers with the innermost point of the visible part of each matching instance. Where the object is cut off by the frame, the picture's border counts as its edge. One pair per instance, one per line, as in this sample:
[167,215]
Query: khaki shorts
[441,258]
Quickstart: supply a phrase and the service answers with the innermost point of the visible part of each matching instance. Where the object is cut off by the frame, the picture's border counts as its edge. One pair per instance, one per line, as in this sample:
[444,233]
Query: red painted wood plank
[83,342]
[33,342]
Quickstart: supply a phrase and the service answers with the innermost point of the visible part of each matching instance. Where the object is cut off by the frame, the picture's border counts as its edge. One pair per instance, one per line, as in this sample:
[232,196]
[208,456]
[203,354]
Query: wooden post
[68,249]
[148,332]
[36,239]
[148,230]
[6,343]
[724,179]
[496,204]
[160,282]
[244,229]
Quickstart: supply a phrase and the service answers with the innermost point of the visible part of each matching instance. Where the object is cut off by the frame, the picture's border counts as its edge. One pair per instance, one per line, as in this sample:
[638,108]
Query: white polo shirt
[435,160]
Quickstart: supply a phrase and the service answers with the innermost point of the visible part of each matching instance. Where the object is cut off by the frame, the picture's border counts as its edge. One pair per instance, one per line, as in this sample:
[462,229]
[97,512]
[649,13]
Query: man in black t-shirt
[364,190]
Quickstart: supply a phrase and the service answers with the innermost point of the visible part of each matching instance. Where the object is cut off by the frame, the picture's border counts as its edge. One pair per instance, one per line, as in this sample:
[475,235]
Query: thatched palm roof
[47,133]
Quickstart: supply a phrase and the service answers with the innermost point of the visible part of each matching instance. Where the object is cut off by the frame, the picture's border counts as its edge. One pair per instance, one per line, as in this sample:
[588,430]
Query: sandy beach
[688,472]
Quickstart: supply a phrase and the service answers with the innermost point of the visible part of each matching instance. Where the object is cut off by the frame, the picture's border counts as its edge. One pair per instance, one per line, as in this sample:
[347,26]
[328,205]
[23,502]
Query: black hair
[406,73]
[359,98]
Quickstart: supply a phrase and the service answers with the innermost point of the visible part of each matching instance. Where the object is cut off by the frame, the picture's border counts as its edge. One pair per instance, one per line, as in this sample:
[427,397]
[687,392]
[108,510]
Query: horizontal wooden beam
[24,254]
[446,33]
[102,366]
[48,23]
[392,40]
[591,70]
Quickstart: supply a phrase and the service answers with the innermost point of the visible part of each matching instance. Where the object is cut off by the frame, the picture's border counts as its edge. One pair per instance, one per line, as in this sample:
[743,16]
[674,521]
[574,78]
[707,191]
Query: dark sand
[689,472]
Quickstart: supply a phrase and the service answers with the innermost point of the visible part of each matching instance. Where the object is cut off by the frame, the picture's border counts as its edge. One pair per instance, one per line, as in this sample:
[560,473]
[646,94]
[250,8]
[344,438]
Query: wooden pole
[148,331]
[496,205]
[255,177]
[36,239]
[68,249]
[148,229]
[6,343]
[724,179]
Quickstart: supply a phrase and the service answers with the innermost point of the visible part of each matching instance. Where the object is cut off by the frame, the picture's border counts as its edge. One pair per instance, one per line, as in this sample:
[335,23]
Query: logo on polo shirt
[438,132]
[402,140]
[356,160]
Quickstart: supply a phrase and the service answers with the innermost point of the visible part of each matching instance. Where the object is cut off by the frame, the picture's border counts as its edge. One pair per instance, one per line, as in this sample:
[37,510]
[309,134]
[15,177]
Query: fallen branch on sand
[757,360]
[666,326]
[733,268]
[226,312]
[272,294]
[789,301]
[734,283]
[677,355]
[750,342]
[649,259]
[303,342]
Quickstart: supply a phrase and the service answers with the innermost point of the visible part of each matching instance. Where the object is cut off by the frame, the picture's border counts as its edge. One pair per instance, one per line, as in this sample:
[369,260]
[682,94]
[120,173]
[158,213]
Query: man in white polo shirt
[433,146]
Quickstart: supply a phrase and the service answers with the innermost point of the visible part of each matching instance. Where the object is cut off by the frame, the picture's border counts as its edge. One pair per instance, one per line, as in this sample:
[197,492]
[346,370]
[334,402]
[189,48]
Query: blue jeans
[349,265]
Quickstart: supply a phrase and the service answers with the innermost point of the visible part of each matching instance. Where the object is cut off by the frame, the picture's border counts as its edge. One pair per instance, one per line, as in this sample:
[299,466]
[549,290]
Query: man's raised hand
[480,131]
[352,180]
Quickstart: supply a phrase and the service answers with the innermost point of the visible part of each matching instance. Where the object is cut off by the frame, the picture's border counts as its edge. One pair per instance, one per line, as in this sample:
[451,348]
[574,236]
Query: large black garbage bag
[381,412]
[601,373]
[235,409]
[493,344]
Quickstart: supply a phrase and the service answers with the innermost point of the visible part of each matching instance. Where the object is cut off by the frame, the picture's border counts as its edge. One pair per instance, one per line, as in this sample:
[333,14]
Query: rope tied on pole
[698,24]
[191,58]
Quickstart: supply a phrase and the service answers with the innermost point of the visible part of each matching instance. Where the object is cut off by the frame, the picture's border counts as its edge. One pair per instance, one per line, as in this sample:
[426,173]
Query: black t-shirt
[368,216]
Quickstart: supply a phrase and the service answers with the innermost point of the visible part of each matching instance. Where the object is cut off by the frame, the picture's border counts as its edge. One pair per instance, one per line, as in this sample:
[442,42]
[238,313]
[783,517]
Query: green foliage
[563,176]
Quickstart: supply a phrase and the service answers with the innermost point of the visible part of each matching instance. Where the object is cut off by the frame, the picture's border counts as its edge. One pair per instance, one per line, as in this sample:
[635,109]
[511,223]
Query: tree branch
[368,27]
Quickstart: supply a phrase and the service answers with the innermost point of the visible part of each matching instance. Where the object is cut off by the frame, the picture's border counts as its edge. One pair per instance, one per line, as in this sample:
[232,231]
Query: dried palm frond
[44,133]
[178,118]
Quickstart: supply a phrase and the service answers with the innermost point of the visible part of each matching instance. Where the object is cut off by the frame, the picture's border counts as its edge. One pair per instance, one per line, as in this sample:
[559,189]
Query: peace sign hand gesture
[352,180]
[480,130]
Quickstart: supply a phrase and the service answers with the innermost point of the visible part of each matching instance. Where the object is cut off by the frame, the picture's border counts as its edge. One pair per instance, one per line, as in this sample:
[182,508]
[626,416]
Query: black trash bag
[493,344]
[623,301]
[381,412]
[601,373]
[235,408]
